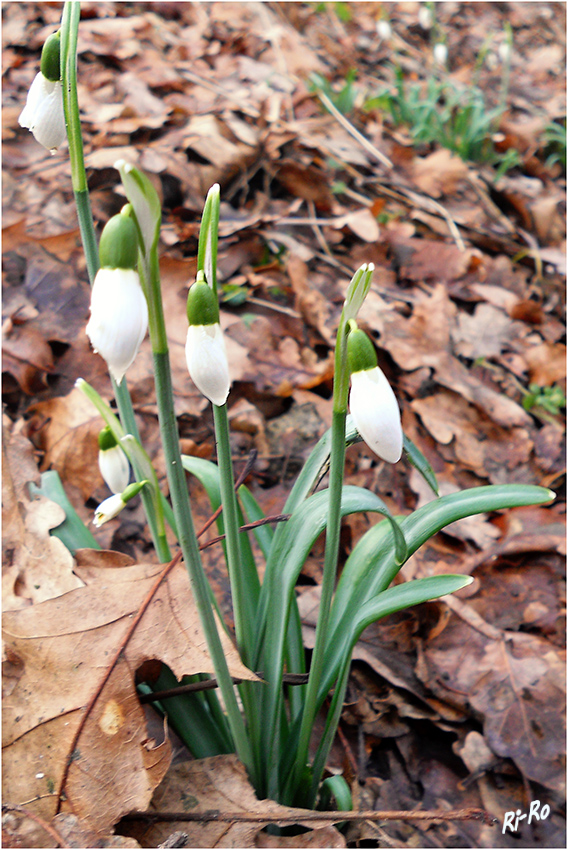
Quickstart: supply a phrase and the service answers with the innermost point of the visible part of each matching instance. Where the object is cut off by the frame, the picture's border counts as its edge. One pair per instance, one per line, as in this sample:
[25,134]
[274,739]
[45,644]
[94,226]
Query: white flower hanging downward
[372,402]
[112,506]
[43,113]
[205,347]
[119,312]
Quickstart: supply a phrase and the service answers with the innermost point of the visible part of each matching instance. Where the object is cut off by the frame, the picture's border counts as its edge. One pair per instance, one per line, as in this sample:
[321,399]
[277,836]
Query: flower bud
[112,506]
[372,402]
[384,30]
[425,17]
[113,463]
[205,347]
[43,113]
[440,54]
[119,312]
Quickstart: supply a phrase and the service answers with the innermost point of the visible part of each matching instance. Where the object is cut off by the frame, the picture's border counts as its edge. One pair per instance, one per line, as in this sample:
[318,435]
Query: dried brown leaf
[60,654]
[220,784]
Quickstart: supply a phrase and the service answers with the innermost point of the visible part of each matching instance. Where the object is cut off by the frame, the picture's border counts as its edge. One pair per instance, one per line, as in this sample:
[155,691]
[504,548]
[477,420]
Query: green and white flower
[205,352]
[119,312]
[43,113]
[113,463]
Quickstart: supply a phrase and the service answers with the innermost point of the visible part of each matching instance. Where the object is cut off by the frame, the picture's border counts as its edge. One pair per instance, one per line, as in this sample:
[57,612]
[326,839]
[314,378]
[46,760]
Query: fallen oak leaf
[73,724]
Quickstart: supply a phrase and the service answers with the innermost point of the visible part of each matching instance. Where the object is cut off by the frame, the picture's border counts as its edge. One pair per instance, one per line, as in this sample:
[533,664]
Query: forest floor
[311,117]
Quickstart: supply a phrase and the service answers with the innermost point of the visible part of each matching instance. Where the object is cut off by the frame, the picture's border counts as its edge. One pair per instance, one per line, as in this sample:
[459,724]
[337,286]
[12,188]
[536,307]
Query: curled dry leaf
[73,724]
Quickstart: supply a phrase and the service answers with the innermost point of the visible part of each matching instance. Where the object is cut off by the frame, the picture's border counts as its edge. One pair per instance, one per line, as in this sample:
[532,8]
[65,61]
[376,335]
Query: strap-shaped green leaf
[286,559]
[371,567]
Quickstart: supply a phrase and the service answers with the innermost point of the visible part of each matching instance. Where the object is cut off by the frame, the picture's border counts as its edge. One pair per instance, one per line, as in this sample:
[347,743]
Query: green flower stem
[333,528]
[149,270]
[190,550]
[243,604]
[69,37]
[153,509]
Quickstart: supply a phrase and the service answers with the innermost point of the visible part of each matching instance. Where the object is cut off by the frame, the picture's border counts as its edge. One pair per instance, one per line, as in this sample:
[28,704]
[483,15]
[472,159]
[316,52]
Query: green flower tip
[118,248]
[202,304]
[106,440]
[132,490]
[360,352]
[50,58]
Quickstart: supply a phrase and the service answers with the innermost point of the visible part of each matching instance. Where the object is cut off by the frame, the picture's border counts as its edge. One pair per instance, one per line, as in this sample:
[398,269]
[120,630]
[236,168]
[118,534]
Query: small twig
[248,527]
[12,807]
[209,684]
[246,471]
[305,816]
[347,125]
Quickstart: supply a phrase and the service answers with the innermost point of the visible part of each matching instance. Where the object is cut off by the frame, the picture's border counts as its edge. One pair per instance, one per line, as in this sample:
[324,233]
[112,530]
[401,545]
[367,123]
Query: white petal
[43,113]
[119,318]
[107,510]
[207,362]
[376,414]
[115,469]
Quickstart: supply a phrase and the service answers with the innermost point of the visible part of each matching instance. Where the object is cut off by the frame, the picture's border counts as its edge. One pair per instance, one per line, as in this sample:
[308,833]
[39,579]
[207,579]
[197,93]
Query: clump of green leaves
[555,144]
[440,112]
[552,399]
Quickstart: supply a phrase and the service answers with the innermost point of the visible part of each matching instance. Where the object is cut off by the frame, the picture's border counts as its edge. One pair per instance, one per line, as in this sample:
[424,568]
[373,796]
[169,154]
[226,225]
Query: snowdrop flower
[384,30]
[425,17]
[112,506]
[205,346]
[372,402]
[119,312]
[505,52]
[113,463]
[43,113]
[440,54]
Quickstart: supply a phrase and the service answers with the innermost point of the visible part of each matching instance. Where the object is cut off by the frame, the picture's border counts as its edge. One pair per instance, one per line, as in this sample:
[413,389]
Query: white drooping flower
[440,54]
[119,318]
[112,506]
[108,509]
[113,463]
[207,361]
[372,402]
[119,312]
[384,30]
[425,17]
[376,413]
[43,113]
[205,352]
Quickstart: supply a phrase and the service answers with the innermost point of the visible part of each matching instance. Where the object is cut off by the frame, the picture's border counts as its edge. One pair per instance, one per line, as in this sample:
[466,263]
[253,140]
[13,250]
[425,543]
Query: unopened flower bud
[384,30]
[113,463]
[119,312]
[425,17]
[440,54]
[205,346]
[372,402]
[43,113]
